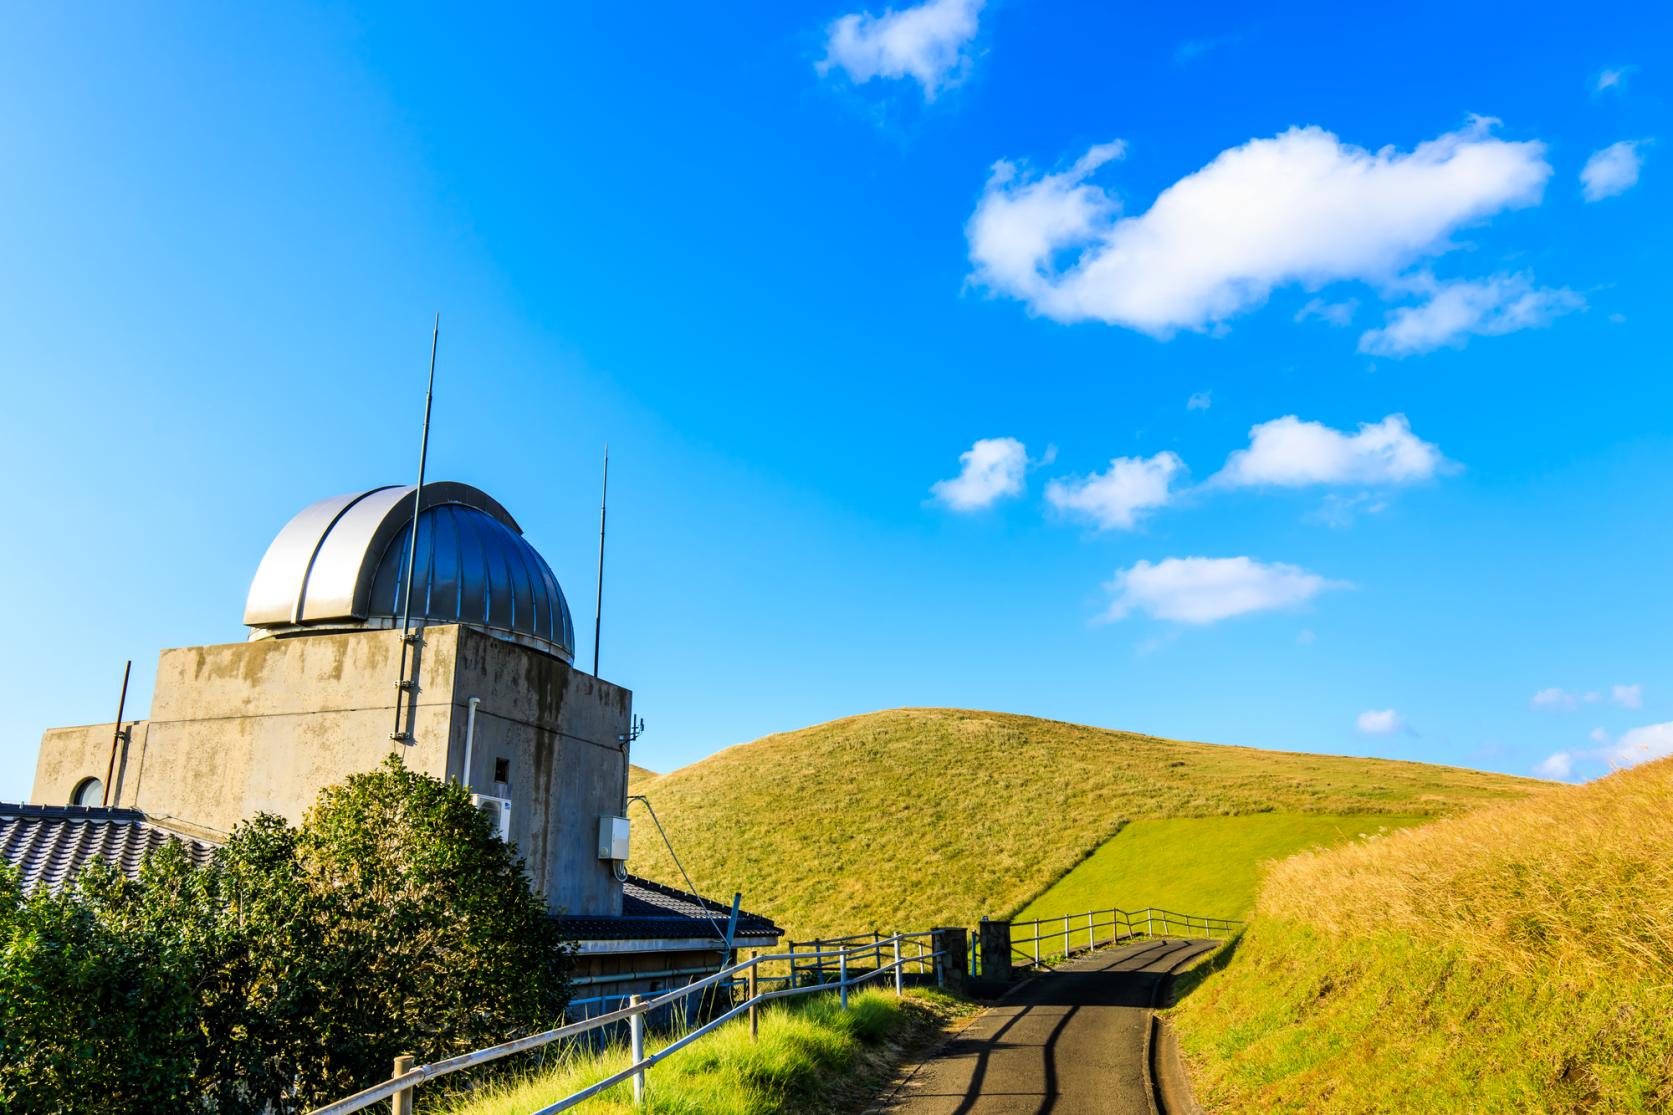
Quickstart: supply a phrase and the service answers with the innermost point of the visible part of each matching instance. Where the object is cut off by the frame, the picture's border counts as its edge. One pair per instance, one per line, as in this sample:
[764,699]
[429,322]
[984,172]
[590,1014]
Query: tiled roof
[653,910]
[50,844]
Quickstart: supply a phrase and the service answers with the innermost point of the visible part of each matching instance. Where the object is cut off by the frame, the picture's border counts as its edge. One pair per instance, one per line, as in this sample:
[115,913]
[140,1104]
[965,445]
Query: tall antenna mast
[403,684]
[598,606]
[115,739]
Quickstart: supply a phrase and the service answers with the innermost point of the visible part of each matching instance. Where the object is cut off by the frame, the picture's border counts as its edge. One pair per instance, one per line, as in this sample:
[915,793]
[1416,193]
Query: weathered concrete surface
[1071,1042]
[241,728]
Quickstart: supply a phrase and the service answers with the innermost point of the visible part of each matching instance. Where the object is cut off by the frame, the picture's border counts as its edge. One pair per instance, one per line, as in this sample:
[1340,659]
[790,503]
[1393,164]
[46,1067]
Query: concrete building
[483,692]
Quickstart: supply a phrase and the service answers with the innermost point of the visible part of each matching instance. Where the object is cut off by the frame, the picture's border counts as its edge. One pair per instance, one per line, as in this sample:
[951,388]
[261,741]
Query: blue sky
[792,262]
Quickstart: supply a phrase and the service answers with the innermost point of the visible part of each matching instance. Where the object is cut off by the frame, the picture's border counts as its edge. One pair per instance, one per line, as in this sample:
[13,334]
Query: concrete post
[401,1102]
[636,1047]
[952,967]
[996,950]
[900,972]
[842,977]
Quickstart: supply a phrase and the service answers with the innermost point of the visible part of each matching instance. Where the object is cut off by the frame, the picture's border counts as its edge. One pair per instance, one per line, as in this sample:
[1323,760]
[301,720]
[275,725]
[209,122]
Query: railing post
[1090,943]
[900,973]
[1150,921]
[401,1102]
[1068,946]
[754,1023]
[636,1047]
[842,976]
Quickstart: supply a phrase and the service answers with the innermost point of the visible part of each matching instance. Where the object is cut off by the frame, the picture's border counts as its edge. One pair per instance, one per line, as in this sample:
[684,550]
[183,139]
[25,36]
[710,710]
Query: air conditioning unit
[614,837]
[498,811]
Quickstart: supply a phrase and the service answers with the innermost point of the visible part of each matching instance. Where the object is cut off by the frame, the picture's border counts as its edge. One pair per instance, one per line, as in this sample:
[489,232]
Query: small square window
[502,770]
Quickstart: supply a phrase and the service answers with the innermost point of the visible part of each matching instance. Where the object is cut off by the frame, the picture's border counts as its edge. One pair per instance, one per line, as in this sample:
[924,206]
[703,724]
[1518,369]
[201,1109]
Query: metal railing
[399,1087]
[1083,932]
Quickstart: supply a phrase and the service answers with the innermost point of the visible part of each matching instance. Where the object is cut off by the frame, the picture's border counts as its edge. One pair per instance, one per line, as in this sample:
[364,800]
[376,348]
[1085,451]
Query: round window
[89,791]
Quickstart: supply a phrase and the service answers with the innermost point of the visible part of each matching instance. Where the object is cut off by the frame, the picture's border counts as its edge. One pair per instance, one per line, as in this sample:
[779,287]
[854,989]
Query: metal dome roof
[341,564]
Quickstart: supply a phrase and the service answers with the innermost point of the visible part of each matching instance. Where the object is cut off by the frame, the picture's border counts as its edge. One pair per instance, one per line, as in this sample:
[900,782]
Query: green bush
[288,972]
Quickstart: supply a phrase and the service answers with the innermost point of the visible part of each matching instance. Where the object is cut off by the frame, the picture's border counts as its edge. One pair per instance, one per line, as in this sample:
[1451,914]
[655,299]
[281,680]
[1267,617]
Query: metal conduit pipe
[470,740]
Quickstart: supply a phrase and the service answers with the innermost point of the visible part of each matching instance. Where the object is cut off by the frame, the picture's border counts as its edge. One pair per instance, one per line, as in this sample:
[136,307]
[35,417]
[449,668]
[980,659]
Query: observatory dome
[341,565]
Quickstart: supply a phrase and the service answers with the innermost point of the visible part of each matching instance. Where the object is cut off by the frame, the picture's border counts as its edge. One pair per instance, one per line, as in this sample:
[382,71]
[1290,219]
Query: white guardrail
[399,1087]
[1121,924]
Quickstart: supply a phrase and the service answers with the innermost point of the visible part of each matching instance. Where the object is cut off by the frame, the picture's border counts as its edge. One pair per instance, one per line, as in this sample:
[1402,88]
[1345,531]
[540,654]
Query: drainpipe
[470,738]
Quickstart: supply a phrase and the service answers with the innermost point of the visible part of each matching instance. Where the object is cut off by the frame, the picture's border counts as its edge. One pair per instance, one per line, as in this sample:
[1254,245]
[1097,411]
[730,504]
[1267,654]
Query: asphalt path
[1069,1041]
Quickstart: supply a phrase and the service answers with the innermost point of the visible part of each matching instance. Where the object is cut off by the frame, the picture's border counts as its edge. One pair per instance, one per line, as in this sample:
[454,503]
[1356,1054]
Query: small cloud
[992,469]
[1556,766]
[1340,512]
[1612,77]
[1640,745]
[1552,700]
[1289,453]
[1193,49]
[1627,696]
[1612,171]
[925,42]
[1598,735]
[1336,313]
[1114,500]
[1465,308]
[1617,319]
[1200,400]
[1380,722]
[1305,636]
[1199,590]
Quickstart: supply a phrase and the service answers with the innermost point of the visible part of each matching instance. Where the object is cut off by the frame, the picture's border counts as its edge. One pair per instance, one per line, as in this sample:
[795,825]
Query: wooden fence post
[754,1022]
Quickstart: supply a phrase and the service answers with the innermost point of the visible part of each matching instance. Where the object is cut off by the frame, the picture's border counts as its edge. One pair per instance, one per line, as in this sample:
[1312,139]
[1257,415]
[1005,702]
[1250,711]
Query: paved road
[1069,1041]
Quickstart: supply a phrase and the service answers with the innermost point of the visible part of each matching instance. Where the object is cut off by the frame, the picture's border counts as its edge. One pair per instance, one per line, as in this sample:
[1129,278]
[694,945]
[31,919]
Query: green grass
[1209,866]
[918,817]
[811,1057]
[1515,959]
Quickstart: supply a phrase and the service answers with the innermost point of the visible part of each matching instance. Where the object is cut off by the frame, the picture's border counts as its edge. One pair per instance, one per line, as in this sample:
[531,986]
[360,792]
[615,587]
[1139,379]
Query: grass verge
[812,1057]
[1516,959]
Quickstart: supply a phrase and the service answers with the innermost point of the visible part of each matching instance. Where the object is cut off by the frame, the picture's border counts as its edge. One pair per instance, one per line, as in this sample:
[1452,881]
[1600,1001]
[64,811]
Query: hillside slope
[914,817]
[1516,959]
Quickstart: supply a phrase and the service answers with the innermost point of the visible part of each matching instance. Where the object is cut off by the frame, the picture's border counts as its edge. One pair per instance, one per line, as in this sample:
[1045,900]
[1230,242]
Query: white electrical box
[614,836]
[498,811]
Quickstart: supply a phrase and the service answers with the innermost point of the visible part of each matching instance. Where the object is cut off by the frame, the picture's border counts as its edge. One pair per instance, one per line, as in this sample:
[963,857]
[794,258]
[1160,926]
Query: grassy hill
[1516,959]
[915,817]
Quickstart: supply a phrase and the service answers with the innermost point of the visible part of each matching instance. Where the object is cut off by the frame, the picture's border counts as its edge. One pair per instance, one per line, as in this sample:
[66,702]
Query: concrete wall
[560,733]
[264,726]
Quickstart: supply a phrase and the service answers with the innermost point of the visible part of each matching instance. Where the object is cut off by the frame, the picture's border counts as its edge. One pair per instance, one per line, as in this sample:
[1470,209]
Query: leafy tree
[287,973]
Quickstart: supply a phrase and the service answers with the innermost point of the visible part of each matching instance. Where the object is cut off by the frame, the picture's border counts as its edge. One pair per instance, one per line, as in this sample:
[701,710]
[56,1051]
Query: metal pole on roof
[403,684]
[598,605]
[116,737]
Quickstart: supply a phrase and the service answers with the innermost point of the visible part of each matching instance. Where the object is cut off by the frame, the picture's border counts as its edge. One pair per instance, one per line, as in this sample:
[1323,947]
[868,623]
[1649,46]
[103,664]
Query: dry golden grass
[1519,958]
[918,817]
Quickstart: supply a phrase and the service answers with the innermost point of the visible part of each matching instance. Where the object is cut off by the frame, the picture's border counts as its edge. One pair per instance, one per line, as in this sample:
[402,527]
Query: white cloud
[991,470]
[1463,308]
[1380,722]
[1598,735]
[1114,499]
[1556,766]
[1289,453]
[1200,400]
[1640,745]
[1340,512]
[1552,700]
[926,42]
[1201,590]
[1301,207]
[1611,171]
[1613,78]
[1336,313]
[1627,696]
